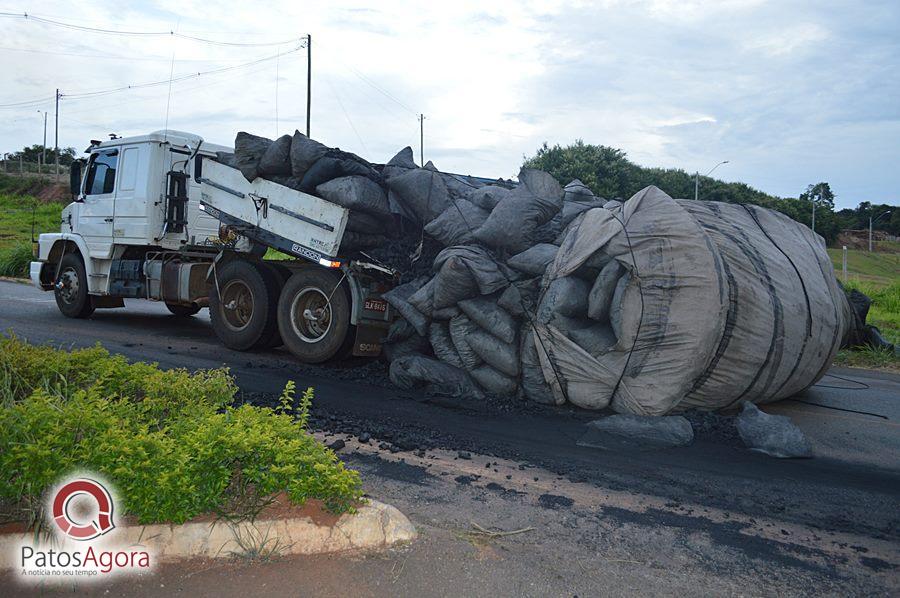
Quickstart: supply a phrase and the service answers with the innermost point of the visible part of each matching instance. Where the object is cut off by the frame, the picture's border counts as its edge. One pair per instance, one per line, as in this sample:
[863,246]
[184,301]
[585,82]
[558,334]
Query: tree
[822,197]
[34,154]
[610,174]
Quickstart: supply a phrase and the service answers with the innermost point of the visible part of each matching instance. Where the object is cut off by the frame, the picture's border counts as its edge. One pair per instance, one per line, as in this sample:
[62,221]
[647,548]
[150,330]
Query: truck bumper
[34,272]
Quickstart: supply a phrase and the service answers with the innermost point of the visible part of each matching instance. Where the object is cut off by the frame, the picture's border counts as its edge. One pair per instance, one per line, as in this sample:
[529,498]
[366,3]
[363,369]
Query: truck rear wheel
[71,288]
[182,310]
[242,304]
[314,315]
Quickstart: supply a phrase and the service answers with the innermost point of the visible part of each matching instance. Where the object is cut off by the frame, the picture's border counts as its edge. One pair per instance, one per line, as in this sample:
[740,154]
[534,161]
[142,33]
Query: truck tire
[181,310]
[71,288]
[244,316]
[313,327]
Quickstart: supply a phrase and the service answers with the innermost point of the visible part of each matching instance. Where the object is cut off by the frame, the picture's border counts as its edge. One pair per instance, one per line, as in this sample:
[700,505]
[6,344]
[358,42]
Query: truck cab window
[101,175]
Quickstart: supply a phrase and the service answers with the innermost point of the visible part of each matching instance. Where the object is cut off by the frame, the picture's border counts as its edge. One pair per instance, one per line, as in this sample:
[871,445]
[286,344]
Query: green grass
[877,268]
[17,213]
[885,314]
[16,218]
[877,274]
[885,309]
[15,260]
[869,359]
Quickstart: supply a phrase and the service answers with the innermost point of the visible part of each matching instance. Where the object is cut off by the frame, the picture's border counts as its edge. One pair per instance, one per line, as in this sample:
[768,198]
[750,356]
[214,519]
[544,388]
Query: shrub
[15,260]
[173,443]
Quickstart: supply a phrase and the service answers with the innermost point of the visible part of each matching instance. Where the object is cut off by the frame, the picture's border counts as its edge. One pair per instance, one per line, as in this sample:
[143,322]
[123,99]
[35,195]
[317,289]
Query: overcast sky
[790,93]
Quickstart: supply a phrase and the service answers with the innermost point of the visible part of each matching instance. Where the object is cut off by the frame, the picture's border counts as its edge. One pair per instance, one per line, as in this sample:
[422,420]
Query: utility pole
[308,79]
[44,147]
[56,143]
[877,218]
[421,140]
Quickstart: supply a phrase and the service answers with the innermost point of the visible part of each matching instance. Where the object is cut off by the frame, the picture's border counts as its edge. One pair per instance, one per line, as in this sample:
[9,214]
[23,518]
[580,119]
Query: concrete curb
[374,525]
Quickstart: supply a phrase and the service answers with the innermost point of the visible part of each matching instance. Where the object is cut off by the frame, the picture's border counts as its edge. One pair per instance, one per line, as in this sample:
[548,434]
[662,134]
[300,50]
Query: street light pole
[871,222]
[697,179]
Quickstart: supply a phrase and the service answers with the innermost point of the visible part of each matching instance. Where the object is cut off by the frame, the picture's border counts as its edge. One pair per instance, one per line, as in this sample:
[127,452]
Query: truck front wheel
[242,305]
[314,315]
[71,288]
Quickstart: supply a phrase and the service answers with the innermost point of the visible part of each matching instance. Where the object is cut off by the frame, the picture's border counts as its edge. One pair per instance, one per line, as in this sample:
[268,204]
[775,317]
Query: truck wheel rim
[68,285]
[310,302]
[236,304]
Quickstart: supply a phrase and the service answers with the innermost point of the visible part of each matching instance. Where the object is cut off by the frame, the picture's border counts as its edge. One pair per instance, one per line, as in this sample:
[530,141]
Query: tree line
[35,153]
[610,174]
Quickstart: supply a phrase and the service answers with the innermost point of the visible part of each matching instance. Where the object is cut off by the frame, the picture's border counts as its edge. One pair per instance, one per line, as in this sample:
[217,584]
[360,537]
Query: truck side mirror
[75,178]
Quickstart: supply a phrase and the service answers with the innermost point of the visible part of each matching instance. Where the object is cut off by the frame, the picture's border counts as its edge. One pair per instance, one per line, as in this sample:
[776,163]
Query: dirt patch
[54,194]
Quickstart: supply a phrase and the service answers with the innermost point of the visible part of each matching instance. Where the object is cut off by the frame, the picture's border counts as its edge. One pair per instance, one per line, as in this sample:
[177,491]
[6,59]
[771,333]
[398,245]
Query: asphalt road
[729,519]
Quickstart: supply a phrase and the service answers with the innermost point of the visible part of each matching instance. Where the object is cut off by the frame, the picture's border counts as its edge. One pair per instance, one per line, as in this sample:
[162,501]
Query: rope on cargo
[840,408]
[637,275]
[862,385]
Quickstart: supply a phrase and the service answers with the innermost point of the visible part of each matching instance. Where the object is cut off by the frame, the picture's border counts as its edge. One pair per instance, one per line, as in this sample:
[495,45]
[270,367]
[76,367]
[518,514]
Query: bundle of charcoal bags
[648,306]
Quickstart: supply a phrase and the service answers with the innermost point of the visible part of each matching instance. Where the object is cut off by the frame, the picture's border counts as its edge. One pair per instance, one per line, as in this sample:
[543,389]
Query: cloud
[789,92]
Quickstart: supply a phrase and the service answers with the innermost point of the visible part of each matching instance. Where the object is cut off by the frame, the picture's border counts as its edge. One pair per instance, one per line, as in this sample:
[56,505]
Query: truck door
[95,216]
[131,225]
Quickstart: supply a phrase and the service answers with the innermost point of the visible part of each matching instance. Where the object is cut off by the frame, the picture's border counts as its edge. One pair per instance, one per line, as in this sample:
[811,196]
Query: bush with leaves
[173,443]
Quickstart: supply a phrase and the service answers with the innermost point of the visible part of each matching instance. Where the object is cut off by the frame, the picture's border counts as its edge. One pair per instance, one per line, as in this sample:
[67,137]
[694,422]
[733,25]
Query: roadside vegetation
[20,205]
[174,444]
[885,314]
[873,270]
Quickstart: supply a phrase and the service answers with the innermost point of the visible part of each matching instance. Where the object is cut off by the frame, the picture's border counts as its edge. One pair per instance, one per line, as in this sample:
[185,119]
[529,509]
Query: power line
[225,69]
[347,115]
[28,103]
[375,86]
[99,30]
[113,56]
[104,92]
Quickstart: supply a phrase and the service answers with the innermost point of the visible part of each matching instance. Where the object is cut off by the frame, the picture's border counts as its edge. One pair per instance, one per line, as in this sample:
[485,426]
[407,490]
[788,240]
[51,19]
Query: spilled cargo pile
[650,306]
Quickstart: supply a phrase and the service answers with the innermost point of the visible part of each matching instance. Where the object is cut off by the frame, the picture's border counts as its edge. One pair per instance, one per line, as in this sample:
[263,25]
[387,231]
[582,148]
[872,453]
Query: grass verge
[885,314]
[17,214]
[875,269]
[173,443]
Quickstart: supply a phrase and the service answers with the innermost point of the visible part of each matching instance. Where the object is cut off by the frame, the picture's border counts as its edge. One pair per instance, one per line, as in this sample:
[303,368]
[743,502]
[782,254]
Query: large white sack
[722,303]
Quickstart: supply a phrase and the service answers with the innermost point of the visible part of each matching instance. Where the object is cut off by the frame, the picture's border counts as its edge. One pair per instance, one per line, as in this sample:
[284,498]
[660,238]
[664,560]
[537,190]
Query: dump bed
[288,220]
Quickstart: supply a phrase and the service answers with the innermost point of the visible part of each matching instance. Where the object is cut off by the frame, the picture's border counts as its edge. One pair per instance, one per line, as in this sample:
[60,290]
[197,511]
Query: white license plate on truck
[379,305]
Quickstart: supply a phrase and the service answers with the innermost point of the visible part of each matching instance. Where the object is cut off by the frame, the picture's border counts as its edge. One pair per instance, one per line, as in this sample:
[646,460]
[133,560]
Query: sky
[790,93]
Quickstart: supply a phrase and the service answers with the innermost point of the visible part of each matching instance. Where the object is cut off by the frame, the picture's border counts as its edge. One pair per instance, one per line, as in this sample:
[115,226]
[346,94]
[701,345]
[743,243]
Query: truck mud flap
[368,341]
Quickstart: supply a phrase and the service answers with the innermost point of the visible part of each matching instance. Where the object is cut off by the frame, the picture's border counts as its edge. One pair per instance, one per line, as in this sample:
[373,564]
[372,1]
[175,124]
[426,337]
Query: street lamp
[871,222]
[44,147]
[697,179]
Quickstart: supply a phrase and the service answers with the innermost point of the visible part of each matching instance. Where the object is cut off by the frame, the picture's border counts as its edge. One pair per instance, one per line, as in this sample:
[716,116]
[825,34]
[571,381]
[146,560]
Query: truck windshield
[101,176]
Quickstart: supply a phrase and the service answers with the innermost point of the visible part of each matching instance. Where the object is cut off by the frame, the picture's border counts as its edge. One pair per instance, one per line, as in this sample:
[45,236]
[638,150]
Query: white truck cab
[156,217]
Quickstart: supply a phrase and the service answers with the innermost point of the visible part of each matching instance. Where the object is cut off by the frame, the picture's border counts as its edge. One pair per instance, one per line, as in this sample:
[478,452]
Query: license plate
[375,305]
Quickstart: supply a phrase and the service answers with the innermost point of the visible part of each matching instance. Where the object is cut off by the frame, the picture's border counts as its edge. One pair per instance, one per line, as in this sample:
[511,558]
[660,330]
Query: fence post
[844,263]
[21,166]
